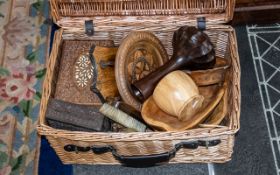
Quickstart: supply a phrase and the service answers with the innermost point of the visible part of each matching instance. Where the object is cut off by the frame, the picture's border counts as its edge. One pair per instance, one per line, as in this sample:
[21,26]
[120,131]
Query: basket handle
[145,160]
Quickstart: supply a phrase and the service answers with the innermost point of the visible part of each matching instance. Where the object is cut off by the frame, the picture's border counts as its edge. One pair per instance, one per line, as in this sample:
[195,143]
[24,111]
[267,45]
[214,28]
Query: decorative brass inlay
[83,71]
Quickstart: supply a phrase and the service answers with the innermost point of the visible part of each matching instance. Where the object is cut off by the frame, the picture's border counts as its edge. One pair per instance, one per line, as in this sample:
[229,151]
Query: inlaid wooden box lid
[128,14]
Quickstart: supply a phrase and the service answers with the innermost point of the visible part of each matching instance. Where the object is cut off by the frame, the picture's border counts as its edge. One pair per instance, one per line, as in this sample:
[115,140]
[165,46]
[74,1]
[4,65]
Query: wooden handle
[122,118]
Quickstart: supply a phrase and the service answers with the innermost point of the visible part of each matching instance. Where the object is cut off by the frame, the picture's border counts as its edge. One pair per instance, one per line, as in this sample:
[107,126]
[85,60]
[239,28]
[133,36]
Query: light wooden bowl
[177,95]
[162,121]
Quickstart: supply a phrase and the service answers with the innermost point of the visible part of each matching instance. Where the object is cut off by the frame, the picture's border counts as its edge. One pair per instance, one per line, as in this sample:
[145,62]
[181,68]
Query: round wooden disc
[139,54]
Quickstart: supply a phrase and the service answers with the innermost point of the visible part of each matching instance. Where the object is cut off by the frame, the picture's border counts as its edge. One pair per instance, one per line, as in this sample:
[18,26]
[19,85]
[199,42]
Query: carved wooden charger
[139,54]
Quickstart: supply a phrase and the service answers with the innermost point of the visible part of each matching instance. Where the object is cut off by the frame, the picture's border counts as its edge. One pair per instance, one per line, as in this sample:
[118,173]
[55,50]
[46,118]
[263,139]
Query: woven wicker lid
[125,13]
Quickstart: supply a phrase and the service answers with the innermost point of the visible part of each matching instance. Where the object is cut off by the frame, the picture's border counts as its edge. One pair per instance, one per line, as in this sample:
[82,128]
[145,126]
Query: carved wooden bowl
[139,54]
[162,121]
[210,76]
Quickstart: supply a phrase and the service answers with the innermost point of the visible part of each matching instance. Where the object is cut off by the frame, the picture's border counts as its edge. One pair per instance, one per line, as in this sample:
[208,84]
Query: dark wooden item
[257,4]
[193,50]
[256,12]
[64,115]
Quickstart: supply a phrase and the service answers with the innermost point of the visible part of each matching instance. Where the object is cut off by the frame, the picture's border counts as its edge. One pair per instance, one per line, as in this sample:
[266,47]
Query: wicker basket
[114,19]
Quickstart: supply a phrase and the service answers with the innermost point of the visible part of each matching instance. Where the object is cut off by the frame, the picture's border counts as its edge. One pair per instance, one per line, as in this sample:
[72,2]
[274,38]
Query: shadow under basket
[205,144]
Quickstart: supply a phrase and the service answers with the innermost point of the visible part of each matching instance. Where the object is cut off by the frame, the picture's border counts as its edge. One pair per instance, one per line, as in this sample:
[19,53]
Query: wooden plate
[160,120]
[139,54]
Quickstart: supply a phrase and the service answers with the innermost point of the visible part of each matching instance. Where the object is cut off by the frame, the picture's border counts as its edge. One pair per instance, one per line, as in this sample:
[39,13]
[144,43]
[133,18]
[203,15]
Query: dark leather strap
[93,87]
[145,160]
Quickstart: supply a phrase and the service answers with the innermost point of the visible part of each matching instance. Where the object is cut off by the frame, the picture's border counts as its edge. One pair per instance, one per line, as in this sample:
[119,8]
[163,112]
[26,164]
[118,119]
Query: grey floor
[180,169]
[256,150]
[252,152]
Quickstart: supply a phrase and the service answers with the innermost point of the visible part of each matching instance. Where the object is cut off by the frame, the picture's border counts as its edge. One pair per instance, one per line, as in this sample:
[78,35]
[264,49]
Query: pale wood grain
[178,95]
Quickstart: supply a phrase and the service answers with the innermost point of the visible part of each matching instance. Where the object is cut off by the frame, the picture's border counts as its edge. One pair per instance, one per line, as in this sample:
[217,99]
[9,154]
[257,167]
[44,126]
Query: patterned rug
[24,41]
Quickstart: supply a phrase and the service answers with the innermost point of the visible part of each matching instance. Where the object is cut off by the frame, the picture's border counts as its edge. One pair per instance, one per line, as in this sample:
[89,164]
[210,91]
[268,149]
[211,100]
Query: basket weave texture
[139,7]
[165,16]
